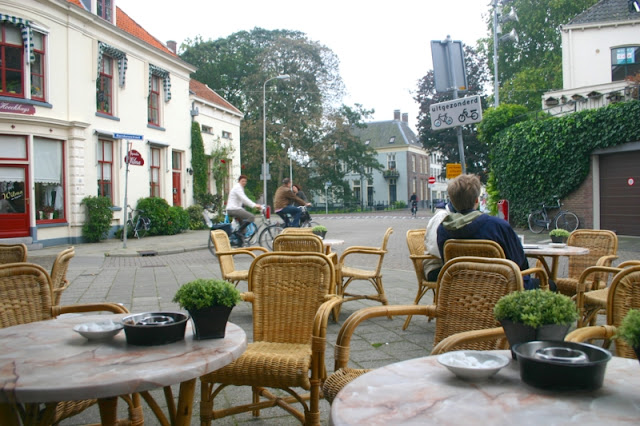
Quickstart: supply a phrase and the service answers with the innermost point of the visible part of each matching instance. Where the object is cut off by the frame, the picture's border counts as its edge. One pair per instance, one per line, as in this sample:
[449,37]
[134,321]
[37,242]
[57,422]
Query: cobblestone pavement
[148,284]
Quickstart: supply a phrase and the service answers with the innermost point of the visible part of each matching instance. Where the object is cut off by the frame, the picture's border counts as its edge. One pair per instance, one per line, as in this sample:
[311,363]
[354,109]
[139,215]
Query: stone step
[28,241]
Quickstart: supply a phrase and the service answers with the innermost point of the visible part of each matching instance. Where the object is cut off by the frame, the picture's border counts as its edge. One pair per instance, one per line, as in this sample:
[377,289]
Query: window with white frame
[110,61]
[625,62]
[159,81]
[48,176]
[391,161]
[155,172]
[154,101]
[413,163]
[105,168]
[104,9]
[226,135]
[207,129]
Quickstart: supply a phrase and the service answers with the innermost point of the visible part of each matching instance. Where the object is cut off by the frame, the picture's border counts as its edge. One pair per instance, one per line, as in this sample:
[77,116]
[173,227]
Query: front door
[176,165]
[14,203]
[176,189]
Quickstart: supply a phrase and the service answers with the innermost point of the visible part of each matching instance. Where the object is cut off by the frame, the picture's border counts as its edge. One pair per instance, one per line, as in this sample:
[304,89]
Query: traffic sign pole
[126,137]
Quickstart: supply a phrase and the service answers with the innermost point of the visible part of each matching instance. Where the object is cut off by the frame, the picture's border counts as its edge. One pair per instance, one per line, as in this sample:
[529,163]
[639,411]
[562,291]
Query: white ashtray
[557,245]
[473,365]
[99,330]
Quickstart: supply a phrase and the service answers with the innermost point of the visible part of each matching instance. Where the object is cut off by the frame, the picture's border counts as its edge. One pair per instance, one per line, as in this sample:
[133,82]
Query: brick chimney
[172,45]
[396,115]
[405,117]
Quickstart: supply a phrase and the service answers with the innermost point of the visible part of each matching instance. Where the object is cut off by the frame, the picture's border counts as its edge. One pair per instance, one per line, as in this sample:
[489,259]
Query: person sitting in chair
[286,202]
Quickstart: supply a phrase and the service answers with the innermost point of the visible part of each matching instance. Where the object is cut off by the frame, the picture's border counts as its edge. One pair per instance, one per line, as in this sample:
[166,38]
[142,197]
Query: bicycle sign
[456,112]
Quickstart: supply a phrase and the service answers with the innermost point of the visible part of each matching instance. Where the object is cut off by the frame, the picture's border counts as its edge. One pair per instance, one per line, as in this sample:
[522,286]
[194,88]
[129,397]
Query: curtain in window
[114,53]
[164,74]
[47,165]
[25,30]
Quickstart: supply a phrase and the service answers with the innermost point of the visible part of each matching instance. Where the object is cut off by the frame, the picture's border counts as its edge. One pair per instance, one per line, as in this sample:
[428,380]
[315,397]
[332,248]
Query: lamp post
[512,36]
[290,162]
[264,132]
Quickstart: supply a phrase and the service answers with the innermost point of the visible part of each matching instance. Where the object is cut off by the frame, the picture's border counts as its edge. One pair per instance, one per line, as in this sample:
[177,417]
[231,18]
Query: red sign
[136,158]
[17,108]
[432,180]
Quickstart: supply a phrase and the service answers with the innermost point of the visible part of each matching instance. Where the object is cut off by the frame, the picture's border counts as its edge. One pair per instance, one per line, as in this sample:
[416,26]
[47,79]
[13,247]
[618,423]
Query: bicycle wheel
[268,234]
[536,222]
[251,234]
[128,228]
[141,229]
[568,221]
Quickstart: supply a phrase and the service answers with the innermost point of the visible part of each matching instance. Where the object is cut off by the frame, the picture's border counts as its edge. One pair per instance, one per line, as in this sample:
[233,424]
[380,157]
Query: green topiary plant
[536,308]
[562,233]
[99,216]
[319,228]
[629,330]
[203,293]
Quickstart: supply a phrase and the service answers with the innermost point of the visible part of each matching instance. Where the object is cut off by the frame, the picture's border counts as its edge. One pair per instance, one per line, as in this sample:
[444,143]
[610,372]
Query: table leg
[108,410]
[9,415]
[185,403]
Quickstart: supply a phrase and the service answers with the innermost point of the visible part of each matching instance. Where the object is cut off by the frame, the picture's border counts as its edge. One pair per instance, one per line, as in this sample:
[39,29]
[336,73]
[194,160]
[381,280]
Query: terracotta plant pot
[517,332]
[211,322]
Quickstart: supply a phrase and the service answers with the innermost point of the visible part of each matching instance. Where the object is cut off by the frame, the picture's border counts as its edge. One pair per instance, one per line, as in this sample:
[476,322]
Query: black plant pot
[320,234]
[210,323]
[556,239]
[517,332]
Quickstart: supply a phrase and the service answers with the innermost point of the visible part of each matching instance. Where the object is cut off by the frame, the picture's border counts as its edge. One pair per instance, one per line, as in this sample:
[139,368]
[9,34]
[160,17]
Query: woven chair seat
[225,255]
[339,380]
[597,297]
[358,274]
[277,364]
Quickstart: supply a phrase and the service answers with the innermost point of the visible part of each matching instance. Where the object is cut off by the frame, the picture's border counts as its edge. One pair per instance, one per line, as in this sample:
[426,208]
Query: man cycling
[285,202]
[237,199]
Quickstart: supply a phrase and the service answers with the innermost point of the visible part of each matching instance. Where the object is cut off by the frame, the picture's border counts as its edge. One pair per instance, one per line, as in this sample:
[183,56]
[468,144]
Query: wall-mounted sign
[453,170]
[17,108]
[134,158]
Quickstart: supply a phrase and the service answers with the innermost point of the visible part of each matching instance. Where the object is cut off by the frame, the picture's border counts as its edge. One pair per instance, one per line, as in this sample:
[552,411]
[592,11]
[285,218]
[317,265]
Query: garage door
[620,192]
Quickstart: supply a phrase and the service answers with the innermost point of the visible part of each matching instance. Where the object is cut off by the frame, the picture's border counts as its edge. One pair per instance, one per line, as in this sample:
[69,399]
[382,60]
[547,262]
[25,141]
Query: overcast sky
[383,46]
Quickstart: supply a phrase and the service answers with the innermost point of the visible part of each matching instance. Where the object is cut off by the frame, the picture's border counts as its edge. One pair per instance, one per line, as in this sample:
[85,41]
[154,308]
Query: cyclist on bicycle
[413,202]
[305,216]
[237,199]
[286,202]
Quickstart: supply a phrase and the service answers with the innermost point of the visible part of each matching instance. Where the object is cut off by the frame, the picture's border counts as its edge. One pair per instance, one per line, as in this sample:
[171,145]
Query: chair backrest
[624,295]
[478,248]
[25,294]
[292,230]
[12,253]
[298,242]
[286,290]
[468,289]
[222,245]
[415,243]
[383,248]
[59,280]
[600,242]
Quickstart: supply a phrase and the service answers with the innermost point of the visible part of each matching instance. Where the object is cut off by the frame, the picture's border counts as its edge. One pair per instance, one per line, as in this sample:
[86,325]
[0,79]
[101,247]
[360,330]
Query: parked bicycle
[136,226]
[539,220]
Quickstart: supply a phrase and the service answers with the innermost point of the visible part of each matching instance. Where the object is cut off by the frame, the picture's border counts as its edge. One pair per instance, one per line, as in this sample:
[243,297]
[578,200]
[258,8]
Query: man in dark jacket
[285,202]
[469,223]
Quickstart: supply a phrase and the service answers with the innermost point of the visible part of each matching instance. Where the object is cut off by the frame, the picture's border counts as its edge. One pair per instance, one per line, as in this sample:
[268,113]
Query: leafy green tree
[446,141]
[198,161]
[494,120]
[533,65]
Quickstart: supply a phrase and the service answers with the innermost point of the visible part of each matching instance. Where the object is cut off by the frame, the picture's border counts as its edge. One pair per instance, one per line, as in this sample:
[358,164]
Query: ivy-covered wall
[534,160]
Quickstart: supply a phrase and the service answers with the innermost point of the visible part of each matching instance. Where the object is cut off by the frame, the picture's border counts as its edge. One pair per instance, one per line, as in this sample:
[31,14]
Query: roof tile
[203,91]
[606,11]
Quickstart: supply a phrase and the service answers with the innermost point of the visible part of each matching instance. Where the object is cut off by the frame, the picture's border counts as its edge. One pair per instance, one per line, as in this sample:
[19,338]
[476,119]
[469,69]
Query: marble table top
[421,391]
[47,361]
[547,250]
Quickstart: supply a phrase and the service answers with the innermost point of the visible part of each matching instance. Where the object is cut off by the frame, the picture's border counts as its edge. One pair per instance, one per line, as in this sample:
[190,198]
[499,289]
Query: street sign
[448,74]
[456,112]
[134,158]
[327,184]
[127,136]
[432,180]
[453,170]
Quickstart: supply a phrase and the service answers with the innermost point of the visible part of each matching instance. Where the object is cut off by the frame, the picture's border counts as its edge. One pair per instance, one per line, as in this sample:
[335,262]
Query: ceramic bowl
[154,328]
[473,365]
[100,330]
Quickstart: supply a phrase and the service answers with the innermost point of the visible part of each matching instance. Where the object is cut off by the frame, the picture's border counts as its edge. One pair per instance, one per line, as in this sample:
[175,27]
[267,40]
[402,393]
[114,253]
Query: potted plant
[48,212]
[319,230]
[209,302]
[559,235]
[629,330]
[535,315]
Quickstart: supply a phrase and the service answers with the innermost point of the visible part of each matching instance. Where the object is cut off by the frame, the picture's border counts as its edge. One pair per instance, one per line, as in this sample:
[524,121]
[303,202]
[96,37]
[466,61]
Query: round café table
[46,361]
[420,391]
[540,251]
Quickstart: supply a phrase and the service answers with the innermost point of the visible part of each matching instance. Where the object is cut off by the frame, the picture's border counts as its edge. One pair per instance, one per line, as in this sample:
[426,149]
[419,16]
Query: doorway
[14,203]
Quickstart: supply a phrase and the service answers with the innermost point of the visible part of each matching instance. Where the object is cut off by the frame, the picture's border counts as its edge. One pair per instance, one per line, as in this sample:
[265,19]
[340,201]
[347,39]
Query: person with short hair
[237,199]
[286,202]
[469,223]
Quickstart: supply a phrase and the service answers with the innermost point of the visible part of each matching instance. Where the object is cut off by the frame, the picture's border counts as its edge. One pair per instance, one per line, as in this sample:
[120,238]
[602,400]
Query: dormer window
[392,139]
[104,9]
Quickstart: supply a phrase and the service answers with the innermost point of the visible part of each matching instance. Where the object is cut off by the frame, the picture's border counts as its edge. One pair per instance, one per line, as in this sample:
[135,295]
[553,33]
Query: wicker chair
[293,230]
[292,298]
[298,242]
[26,296]
[591,302]
[415,242]
[12,253]
[350,273]
[623,295]
[488,248]
[225,255]
[603,248]
[468,288]
[59,273]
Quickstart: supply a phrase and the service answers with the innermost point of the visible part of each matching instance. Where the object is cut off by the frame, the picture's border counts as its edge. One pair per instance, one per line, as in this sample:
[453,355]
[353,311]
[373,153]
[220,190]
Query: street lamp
[512,36]
[264,132]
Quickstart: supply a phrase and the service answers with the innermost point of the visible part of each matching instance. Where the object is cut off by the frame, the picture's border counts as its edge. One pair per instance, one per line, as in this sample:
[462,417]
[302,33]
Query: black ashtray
[562,365]
[154,328]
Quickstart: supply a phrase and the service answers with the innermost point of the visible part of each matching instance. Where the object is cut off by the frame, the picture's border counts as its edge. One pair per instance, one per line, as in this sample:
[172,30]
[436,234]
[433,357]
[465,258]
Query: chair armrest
[343,340]
[89,307]
[605,332]
[629,263]
[582,284]
[235,252]
[606,260]
[257,248]
[319,339]
[247,296]
[541,273]
[422,256]
[363,251]
[466,337]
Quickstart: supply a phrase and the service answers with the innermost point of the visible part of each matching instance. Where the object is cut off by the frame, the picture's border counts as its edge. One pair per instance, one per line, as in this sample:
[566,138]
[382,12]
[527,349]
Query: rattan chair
[417,254]
[291,295]
[488,248]
[623,295]
[294,230]
[348,274]
[298,242]
[468,288]
[59,279]
[591,302]
[12,253]
[225,255]
[603,249]
[25,297]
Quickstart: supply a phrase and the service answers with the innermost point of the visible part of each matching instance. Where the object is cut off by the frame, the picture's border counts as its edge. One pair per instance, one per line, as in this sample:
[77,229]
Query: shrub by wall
[98,220]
